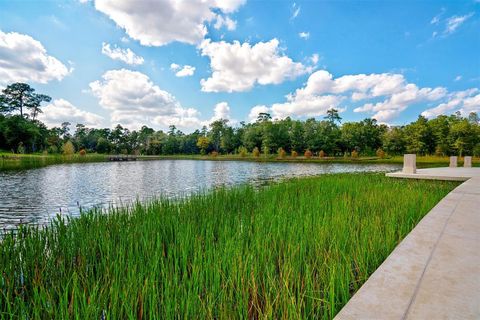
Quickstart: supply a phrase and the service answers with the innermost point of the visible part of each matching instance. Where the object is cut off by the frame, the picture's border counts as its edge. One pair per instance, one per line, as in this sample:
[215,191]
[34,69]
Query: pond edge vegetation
[294,249]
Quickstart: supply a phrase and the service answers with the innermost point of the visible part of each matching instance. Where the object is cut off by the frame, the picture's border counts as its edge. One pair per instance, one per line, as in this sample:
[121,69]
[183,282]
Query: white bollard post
[467,162]
[453,161]
[409,163]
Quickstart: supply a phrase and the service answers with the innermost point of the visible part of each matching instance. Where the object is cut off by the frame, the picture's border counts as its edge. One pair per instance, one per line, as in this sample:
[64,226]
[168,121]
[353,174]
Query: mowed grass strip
[291,250]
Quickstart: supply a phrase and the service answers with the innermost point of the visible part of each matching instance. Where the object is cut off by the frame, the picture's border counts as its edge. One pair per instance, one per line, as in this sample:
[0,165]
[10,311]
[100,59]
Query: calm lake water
[35,196]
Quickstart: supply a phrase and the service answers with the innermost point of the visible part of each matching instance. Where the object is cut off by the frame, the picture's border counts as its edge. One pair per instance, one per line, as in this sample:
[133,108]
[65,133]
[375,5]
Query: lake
[35,196]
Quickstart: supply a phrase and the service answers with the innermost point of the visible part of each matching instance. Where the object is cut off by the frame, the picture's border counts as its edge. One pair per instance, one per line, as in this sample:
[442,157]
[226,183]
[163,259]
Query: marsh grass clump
[256,152]
[380,153]
[308,154]
[294,249]
[243,152]
[68,149]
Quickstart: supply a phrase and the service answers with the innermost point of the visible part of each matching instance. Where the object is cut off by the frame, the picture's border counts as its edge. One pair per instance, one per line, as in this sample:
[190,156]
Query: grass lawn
[294,249]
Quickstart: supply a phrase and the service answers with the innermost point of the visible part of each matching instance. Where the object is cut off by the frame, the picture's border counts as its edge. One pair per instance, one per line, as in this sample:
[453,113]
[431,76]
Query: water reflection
[35,196]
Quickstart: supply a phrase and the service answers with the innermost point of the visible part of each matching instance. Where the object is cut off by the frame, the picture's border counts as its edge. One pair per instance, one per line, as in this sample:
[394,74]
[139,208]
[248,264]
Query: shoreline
[10,161]
[236,226]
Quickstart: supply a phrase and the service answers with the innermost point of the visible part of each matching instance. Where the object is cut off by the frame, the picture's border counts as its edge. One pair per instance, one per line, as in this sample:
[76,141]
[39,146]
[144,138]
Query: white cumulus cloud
[255,111]
[125,55]
[383,96]
[134,100]
[60,110]
[221,111]
[185,71]
[159,23]
[312,106]
[238,67]
[464,101]
[24,59]
[396,103]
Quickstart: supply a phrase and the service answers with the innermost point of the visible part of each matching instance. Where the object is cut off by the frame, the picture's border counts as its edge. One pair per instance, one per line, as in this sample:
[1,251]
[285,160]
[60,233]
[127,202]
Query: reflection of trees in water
[35,196]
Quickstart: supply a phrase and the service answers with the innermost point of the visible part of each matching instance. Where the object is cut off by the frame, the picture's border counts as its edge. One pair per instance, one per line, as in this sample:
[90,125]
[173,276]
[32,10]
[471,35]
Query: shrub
[308,154]
[281,153]
[266,151]
[82,152]
[214,154]
[242,151]
[321,154]
[380,153]
[68,149]
[256,152]
[476,150]
[52,149]
[354,154]
[294,154]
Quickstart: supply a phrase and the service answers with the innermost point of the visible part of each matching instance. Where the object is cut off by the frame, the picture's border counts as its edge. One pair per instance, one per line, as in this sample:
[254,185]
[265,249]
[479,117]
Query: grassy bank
[295,249]
[422,161]
[9,161]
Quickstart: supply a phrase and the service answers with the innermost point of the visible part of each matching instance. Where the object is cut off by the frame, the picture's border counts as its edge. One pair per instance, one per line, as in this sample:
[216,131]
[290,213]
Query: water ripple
[36,196]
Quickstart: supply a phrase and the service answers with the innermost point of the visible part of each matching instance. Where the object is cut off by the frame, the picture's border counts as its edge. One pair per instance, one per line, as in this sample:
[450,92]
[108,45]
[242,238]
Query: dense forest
[22,132]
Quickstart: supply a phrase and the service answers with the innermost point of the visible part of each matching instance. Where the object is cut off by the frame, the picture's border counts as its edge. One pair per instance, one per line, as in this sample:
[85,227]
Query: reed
[294,249]
[10,161]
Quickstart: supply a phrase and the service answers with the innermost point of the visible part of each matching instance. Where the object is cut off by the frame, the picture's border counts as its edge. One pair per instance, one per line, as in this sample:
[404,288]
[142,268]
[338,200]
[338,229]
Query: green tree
[394,141]
[463,138]
[252,137]
[203,143]
[20,96]
[440,128]
[419,137]
[103,146]
[263,116]
[217,131]
[297,142]
[332,116]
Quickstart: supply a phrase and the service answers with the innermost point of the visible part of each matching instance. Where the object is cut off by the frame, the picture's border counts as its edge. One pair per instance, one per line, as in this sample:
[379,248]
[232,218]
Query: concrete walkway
[434,273]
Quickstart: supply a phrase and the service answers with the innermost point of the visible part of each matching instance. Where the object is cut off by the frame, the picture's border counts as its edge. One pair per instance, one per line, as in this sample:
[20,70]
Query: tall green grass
[295,249]
[9,161]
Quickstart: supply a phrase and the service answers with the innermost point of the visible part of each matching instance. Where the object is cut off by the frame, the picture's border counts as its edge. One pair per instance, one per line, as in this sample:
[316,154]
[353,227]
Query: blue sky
[391,60]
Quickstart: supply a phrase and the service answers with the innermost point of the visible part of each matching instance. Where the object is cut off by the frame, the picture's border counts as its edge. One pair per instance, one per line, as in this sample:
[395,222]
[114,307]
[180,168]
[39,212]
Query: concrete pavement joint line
[417,287]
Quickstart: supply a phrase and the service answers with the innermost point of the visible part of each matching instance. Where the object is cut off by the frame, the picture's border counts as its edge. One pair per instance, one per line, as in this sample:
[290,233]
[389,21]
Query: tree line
[22,132]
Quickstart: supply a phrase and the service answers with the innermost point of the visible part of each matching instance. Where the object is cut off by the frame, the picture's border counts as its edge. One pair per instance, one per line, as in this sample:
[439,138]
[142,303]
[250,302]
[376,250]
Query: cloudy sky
[189,62]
